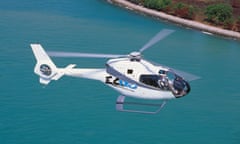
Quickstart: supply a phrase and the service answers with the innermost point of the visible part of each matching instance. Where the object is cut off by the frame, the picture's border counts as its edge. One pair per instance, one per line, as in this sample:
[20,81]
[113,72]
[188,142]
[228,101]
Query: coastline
[188,23]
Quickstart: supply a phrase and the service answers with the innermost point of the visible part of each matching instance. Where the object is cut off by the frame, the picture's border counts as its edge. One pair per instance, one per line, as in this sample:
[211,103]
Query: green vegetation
[136,1]
[179,9]
[157,4]
[184,10]
[219,13]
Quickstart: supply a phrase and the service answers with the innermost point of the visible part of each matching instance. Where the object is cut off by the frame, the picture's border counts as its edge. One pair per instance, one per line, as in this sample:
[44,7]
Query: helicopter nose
[181,88]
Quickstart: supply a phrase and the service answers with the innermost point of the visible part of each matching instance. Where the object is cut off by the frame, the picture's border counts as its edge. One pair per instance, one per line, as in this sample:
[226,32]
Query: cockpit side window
[162,72]
[151,80]
[171,76]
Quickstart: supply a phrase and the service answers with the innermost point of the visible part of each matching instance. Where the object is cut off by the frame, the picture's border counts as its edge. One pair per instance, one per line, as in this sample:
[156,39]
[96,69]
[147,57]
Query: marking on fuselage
[115,81]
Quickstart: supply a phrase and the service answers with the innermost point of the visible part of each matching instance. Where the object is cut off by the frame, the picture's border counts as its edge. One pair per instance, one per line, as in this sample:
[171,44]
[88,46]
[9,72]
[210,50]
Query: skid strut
[121,102]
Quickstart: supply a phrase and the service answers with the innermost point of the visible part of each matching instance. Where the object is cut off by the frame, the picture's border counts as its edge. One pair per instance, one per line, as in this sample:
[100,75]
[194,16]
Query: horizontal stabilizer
[44,81]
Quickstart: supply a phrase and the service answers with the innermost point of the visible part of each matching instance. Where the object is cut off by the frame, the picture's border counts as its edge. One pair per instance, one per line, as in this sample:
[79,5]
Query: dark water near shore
[83,111]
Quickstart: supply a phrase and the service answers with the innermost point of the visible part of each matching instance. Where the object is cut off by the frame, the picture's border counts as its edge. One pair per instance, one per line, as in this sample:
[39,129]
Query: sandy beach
[188,23]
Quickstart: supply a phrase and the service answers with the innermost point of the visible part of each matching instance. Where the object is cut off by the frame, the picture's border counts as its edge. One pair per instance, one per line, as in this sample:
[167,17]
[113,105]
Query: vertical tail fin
[45,67]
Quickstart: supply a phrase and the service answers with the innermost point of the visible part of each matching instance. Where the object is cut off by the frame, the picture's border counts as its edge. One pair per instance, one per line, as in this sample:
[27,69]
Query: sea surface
[81,111]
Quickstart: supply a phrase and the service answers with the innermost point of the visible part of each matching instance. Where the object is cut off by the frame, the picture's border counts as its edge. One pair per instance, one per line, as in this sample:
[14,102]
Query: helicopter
[130,75]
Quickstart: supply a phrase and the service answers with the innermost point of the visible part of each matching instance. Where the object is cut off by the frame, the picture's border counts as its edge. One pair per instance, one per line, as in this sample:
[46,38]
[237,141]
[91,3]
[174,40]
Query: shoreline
[184,22]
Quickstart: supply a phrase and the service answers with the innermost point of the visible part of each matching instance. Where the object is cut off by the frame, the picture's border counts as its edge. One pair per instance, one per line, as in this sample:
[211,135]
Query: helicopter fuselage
[137,78]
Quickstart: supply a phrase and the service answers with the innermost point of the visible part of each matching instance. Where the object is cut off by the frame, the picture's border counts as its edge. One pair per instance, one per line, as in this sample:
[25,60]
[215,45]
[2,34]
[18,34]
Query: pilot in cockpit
[163,80]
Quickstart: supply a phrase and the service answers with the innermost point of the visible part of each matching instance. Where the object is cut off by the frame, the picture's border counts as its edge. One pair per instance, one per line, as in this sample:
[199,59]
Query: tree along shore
[185,22]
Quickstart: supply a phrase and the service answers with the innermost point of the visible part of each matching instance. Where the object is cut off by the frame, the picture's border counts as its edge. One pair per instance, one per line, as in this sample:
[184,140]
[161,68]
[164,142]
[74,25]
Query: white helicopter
[130,75]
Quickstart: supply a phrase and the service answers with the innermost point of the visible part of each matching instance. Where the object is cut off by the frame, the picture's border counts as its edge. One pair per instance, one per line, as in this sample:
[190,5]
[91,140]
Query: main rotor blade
[187,76]
[162,34]
[83,55]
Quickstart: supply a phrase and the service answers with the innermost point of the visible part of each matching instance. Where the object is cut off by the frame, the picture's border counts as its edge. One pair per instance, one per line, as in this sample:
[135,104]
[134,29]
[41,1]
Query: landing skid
[121,102]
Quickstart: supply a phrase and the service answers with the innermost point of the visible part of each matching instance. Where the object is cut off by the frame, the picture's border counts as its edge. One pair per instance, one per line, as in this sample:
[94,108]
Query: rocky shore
[188,23]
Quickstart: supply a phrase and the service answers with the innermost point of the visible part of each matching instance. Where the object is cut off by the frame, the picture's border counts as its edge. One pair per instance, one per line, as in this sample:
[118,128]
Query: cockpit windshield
[167,81]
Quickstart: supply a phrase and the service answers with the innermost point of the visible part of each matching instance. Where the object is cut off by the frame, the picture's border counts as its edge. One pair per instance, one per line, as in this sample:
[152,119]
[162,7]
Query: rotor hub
[135,56]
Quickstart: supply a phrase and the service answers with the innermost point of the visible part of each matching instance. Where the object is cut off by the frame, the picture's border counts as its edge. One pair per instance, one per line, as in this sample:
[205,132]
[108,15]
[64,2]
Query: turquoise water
[83,111]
